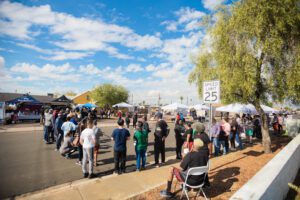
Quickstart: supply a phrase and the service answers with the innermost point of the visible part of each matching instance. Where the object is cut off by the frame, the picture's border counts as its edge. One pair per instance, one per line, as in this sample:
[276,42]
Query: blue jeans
[46,133]
[222,142]
[140,154]
[216,143]
[238,139]
[59,138]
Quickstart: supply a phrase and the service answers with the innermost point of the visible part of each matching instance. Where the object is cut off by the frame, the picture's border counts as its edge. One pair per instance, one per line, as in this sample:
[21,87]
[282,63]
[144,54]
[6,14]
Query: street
[28,164]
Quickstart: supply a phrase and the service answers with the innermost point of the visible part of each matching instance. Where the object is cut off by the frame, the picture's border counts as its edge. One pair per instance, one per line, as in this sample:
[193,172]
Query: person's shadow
[222,181]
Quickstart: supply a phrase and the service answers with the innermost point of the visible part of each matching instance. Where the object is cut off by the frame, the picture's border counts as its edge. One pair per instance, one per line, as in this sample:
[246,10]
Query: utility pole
[158,103]
[187,100]
[132,98]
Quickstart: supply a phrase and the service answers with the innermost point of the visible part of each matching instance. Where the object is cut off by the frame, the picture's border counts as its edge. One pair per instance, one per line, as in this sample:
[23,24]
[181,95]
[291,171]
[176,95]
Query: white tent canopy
[124,105]
[242,108]
[200,107]
[176,107]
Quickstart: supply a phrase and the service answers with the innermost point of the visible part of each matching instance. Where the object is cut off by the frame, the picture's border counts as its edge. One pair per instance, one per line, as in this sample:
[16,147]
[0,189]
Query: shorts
[190,145]
[178,174]
[96,148]
[249,132]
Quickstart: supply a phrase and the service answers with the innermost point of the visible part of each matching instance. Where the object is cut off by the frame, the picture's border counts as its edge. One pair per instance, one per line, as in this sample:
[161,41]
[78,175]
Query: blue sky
[59,46]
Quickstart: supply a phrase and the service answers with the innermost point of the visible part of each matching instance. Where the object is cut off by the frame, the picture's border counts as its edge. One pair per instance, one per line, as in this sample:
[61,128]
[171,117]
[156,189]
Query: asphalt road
[28,164]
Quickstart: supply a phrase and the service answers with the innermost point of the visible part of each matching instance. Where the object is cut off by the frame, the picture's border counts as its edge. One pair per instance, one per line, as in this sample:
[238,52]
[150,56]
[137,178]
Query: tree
[70,93]
[109,94]
[255,53]
[181,99]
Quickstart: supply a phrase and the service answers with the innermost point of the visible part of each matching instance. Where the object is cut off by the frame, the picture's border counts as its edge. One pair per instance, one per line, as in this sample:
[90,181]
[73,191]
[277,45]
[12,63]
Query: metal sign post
[211,95]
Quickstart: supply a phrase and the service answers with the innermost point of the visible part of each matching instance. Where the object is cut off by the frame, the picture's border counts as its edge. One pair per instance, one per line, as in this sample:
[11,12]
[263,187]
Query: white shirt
[88,137]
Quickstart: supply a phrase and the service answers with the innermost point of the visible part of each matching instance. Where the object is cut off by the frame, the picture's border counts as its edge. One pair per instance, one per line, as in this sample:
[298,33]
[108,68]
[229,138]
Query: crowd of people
[77,130]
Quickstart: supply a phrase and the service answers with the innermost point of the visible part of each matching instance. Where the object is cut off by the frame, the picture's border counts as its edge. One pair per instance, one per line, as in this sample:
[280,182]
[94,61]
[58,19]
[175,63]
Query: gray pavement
[28,164]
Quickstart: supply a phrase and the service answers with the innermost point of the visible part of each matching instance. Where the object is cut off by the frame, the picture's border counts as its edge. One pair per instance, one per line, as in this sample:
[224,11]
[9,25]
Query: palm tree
[181,99]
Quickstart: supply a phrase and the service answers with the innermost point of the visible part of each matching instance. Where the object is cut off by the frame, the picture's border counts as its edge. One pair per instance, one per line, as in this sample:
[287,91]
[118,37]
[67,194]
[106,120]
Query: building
[27,106]
[83,98]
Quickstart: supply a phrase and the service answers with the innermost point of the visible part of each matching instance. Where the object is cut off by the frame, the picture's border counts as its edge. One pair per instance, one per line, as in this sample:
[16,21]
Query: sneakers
[165,193]
[85,175]
[78,163]
[91,176]
[137,170]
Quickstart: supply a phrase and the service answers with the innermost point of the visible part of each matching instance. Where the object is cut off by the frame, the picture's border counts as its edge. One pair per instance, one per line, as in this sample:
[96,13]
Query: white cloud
[61,73]
[63,55]
[188,19]
[55,55]
[134,68]
[2,64]
[212,4]
[75,34]
[178,51]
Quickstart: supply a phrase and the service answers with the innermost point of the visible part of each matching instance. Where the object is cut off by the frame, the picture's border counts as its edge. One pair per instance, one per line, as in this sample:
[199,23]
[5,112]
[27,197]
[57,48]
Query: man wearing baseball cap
[196,158]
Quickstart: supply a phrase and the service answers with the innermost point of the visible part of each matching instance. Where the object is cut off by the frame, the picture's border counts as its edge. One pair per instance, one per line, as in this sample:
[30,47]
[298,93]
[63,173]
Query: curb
[73,184]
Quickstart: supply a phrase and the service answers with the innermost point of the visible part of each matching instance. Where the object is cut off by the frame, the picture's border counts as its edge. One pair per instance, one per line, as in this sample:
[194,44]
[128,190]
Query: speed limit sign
[211,92]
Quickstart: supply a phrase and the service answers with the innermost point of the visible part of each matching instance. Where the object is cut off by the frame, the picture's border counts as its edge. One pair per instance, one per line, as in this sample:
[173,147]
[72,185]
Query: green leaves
[109,94]
[254,52]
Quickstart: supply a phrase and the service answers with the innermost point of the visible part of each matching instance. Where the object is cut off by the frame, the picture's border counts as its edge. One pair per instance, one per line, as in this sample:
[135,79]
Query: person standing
[280,124]
[233,133]
[119,114]
[160,134]
[120,137]
[249,129]
[226,128]
[140,136]
[179,133]
[87,140]
[134,119]
[81,126]
[214,134]
[98,133]
[188,136]
[58,132]
[257,127]
[127,119]
[48,125]
[146,128]
[275,124]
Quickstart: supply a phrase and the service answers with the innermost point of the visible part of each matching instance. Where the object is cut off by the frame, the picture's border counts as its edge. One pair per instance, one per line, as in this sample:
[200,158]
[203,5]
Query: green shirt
[141,138]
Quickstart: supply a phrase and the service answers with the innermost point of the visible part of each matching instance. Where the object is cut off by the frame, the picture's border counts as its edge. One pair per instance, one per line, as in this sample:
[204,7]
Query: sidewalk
[227,174]
[108,187]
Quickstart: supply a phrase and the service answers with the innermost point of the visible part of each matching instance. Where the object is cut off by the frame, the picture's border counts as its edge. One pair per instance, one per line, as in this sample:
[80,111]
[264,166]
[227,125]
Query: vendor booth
[124,107]
[61,102]
[24,108]
[174,108]
[245,108]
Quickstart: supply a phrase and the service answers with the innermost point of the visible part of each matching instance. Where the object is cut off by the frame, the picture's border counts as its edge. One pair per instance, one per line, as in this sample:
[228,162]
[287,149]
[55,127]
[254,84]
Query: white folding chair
[195,171]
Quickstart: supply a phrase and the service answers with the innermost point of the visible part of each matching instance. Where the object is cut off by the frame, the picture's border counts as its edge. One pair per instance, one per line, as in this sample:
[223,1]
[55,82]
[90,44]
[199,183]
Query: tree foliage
[70,93]
[109,94]
[254,52]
